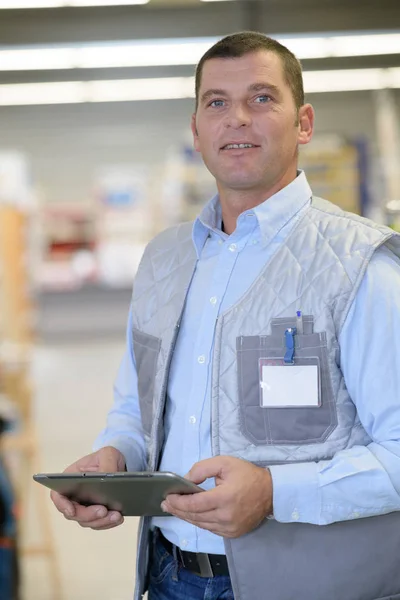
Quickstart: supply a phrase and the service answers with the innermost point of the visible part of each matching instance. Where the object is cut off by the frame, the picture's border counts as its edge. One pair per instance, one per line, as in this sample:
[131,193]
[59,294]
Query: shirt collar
[277,211]
[272,215]
[210,219]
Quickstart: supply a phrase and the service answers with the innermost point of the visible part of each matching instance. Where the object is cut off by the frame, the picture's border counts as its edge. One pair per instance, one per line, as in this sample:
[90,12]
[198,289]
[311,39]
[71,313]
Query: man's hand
[240,501]
[105,460]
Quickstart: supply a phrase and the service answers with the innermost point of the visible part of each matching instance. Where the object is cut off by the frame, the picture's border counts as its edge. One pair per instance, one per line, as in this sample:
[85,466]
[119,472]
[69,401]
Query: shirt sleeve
[124,425]
[364,480]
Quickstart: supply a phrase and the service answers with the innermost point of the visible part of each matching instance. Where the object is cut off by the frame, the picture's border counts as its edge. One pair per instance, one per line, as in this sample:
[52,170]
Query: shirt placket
[197,416]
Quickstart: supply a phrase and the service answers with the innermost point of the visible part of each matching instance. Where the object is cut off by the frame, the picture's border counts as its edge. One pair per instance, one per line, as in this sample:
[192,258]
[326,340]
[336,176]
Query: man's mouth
[243,146]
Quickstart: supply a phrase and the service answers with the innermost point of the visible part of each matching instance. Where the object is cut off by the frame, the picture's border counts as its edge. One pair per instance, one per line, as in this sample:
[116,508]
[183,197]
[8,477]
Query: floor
[73,384]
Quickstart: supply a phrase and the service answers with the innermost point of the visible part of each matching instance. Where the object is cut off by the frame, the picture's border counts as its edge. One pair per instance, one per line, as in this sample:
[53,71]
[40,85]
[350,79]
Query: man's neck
[235,202]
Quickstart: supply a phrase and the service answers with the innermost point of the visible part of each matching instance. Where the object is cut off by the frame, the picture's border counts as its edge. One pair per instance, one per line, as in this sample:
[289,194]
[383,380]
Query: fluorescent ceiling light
[29,4]
[183,51]
[102,2]
[72,92]
[13,4]
[68,92]
[347,80]
[92,56]
[172,88]
[343,45]
[366,45]
[32,60]
[144,54]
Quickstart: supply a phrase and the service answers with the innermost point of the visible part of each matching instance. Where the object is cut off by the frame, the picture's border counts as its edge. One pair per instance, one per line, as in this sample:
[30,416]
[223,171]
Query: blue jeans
[170,581]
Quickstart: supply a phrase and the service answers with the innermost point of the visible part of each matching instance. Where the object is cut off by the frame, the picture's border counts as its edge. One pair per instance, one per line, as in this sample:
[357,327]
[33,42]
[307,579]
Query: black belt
[200,563]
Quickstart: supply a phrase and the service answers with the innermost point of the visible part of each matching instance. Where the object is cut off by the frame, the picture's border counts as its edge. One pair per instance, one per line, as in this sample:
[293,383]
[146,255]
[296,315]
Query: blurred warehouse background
[95,158]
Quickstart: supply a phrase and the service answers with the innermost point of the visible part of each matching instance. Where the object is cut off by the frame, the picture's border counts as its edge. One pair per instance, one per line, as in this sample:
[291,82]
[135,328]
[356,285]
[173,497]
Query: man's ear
[306,123]
[195,133]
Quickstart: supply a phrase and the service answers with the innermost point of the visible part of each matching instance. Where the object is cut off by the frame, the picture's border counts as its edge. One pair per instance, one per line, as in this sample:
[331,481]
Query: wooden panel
[15,303]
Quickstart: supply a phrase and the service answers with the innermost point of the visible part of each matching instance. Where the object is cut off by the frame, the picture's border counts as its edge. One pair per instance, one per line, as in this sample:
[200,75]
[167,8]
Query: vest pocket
[146,348]
[288,425]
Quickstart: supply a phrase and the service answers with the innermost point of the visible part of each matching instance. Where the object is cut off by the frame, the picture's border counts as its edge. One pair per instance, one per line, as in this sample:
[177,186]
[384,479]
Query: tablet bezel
[131,493]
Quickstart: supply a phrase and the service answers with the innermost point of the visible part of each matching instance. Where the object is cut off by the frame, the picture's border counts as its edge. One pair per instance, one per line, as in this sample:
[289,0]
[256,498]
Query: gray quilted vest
[317,270]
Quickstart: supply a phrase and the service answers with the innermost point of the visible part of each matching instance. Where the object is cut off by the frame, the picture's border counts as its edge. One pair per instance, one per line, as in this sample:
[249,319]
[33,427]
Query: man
[263,362]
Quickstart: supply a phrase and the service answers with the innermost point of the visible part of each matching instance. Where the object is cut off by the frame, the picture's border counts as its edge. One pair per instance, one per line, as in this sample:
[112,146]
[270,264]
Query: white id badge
[290,386]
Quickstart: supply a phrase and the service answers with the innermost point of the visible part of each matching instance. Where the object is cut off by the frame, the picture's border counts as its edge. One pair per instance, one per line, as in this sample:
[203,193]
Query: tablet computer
[132,494]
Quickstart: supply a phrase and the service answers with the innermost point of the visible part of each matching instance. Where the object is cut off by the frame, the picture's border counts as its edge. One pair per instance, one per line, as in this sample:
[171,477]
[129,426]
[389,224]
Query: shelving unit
[332,165]
[20,447]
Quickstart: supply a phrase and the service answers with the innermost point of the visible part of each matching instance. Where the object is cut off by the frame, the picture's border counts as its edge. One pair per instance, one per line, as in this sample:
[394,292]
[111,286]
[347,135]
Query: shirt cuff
[296,494]
[132,454]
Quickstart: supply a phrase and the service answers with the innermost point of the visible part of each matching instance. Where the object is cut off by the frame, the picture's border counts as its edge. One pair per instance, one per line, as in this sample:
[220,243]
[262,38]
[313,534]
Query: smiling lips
[239,146]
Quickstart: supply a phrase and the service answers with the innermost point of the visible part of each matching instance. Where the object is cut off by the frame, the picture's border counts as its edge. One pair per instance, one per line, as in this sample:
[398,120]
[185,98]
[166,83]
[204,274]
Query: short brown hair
[237,45]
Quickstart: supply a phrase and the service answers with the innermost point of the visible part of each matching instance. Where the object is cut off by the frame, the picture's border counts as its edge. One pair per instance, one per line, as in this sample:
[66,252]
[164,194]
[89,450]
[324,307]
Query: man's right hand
[105,460]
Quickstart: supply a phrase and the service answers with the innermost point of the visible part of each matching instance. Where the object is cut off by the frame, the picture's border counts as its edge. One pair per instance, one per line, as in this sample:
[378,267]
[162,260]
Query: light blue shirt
[359,482]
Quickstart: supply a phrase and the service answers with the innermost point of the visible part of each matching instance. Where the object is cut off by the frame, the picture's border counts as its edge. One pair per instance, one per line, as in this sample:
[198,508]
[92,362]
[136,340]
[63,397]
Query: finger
[62,504]
[113,519]
[194,503]
[81,465]
[209,526]
[88,514]
[210,467]
[111,526]
[108,462]
[207,517]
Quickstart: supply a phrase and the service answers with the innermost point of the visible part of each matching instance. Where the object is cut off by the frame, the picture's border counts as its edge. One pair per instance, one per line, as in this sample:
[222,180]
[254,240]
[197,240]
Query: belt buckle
[204,563]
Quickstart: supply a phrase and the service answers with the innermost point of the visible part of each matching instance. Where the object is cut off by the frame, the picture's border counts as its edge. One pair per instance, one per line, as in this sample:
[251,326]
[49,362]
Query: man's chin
[242,184]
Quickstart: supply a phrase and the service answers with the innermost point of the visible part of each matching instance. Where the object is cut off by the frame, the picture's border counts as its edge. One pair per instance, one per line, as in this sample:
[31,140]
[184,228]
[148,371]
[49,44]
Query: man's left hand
[240,501]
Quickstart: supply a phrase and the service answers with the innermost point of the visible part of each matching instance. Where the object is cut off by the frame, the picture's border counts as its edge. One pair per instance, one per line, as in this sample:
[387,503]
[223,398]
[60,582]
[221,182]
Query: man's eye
[217,103]
[264,99]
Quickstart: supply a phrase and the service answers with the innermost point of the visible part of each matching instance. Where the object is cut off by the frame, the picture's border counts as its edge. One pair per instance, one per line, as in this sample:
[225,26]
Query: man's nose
[237,117]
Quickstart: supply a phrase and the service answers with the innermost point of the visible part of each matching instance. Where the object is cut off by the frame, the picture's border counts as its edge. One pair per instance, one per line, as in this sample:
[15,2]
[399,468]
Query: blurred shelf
[92,311]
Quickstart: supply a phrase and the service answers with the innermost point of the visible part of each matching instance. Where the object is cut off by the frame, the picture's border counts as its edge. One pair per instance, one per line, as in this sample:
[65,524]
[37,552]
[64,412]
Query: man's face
[247,101]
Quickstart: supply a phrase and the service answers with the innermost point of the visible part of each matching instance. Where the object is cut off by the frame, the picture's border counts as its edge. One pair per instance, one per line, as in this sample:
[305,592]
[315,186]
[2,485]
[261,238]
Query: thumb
[210,467]
[108,460]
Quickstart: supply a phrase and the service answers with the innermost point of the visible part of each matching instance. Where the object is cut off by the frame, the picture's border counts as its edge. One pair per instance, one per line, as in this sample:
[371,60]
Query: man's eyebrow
[209,93]
[258,87]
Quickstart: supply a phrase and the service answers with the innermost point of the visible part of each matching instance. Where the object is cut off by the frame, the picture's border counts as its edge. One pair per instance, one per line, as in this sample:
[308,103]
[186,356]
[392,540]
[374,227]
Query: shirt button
[184,543]
[220,242]
[295,515]
[201,359]
[192,420]
[232,247]
[254,242]
[213,300]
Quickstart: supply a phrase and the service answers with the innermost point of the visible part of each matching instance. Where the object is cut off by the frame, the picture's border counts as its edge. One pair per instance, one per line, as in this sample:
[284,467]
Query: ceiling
[187,18]
[192,18]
